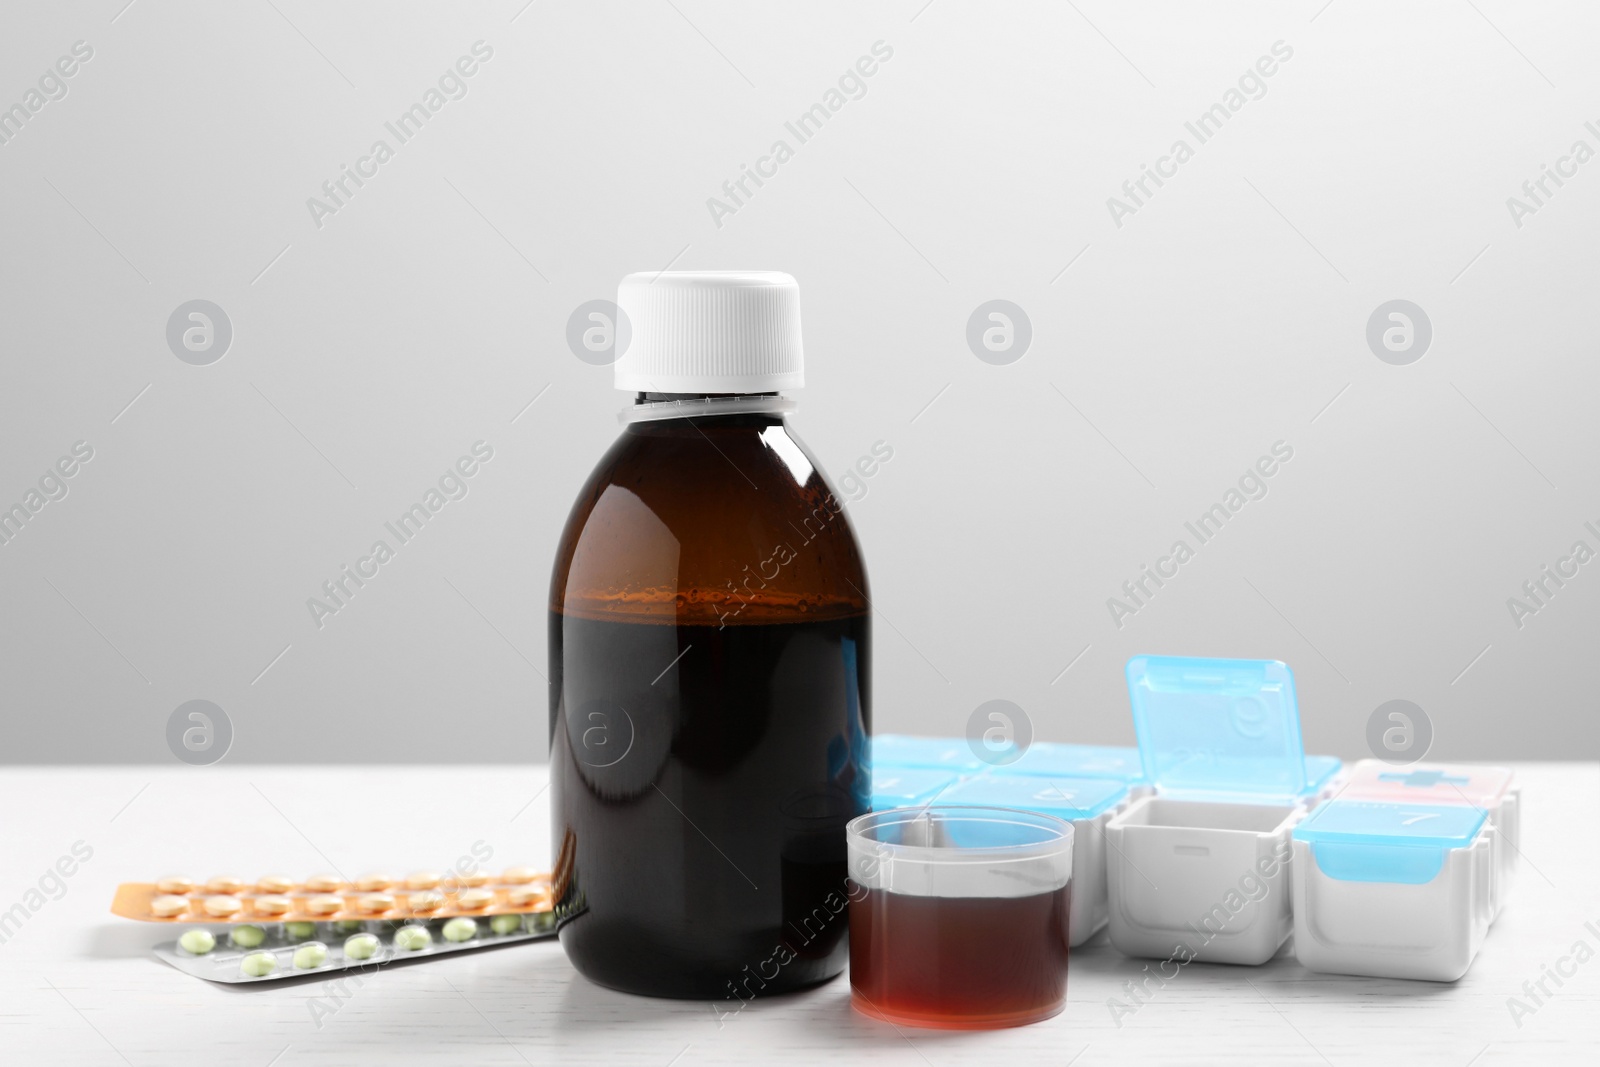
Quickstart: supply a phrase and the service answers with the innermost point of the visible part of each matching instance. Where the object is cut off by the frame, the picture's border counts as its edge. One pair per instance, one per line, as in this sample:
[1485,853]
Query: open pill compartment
[1199,870]
[1491,790]
[1087,803]
[959,915]
[1391,889]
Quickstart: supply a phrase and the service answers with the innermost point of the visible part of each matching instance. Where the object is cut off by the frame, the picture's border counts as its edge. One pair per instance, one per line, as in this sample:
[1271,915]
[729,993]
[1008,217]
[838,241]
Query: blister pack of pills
[278,927]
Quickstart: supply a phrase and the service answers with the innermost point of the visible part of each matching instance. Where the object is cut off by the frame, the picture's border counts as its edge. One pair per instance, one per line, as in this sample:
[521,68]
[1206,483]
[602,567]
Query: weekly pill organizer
[1217,838]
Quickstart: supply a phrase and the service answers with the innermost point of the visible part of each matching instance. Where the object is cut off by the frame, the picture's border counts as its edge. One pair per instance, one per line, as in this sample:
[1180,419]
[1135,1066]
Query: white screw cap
[706,331]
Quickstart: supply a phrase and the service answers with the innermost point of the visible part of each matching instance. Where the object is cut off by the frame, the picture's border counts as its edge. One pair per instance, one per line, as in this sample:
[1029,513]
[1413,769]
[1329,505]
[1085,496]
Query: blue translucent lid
[1064,797]
[1218,726]
[900,787]
[1319,769]
[904,750]
[1380,841]
[1076,761]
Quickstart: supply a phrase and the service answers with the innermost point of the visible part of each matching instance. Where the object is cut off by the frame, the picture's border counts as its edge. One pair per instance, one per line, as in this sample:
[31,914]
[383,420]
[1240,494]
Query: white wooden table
[78,986]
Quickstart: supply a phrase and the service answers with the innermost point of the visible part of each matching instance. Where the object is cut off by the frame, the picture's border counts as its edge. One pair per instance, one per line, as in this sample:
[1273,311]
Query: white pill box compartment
[1200,881]
[1087,803]
[1392,890]
[1489,789]
[1200,870]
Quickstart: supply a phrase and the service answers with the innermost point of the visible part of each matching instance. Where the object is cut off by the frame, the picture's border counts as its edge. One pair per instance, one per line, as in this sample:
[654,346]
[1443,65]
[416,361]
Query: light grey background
[1168,354]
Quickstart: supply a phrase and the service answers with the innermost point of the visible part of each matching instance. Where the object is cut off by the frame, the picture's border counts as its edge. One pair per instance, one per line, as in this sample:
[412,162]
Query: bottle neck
[656,407]
[667,398]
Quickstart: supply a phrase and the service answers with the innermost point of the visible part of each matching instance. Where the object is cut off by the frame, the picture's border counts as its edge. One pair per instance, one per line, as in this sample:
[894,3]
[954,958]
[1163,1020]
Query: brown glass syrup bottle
[710,667]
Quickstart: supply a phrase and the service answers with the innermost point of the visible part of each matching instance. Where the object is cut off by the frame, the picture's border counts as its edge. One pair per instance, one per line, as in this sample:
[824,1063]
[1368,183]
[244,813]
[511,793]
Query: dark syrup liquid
[700,804]
[959,962]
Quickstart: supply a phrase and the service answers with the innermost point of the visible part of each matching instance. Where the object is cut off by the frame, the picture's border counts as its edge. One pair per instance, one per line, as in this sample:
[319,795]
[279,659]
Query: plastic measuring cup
[959,915]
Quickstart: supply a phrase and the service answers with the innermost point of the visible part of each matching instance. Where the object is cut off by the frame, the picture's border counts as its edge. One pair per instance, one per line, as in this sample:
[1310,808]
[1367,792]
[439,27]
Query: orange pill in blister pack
[375,903]
[472,880]
[222,906]
[523,895]
[324,904]
[167,905]
[428,900]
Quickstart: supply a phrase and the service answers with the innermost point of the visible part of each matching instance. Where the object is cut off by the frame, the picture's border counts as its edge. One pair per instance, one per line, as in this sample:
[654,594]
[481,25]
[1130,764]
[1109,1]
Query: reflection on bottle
[564,889]
[850,756]
[813,866]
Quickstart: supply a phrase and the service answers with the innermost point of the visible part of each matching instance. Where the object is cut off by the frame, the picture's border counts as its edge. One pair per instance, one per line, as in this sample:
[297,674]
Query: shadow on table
[125,941]
[120,941]
[818,1017]
[1101,972]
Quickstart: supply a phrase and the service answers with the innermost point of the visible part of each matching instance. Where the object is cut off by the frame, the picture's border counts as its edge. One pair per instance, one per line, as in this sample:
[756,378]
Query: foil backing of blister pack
[224,962]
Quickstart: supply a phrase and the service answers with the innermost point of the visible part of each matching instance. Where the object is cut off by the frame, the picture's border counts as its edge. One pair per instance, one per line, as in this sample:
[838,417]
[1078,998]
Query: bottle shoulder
[706,520]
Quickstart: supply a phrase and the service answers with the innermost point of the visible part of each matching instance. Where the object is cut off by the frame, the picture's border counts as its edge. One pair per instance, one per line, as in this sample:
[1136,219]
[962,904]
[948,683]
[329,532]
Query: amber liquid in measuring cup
[959,962]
